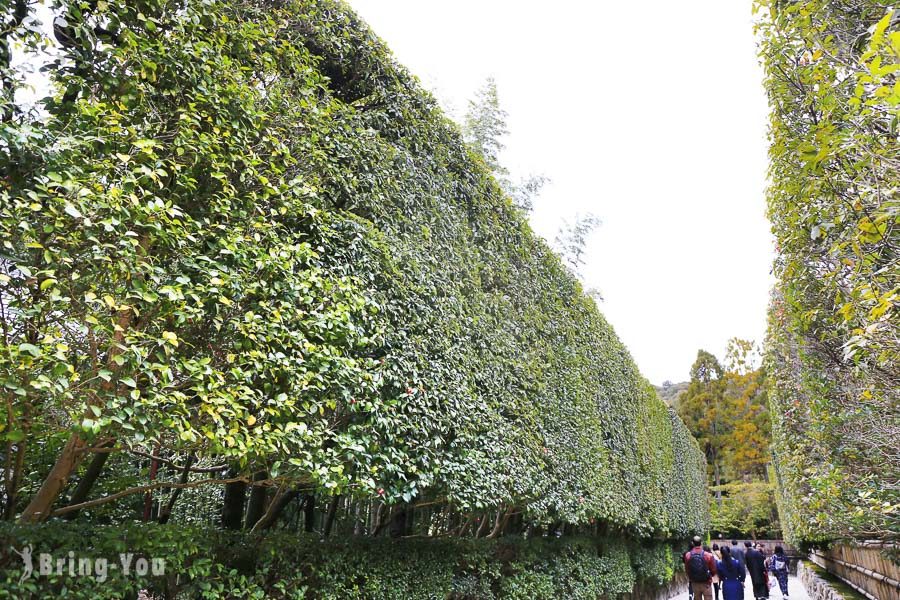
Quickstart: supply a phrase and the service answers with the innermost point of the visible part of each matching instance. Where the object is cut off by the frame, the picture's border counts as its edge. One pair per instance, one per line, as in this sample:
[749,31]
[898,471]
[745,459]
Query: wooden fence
[872,568]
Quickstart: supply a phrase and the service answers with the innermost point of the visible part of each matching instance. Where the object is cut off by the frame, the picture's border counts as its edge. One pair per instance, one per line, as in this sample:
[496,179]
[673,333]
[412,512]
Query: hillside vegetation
[669,392]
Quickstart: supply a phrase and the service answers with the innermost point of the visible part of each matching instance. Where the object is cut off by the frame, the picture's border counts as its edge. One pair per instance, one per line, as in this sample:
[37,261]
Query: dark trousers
[760,588]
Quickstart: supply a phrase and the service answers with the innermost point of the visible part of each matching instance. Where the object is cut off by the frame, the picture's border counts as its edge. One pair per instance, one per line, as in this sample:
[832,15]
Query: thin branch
[141,489]
[171,463]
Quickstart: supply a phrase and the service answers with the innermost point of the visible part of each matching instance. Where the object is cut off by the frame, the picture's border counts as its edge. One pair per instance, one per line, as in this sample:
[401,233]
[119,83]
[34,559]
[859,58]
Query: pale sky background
[650,115]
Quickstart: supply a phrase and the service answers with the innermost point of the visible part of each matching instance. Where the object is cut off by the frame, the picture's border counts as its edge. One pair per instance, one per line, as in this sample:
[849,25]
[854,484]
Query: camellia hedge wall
[239,233]
[834,358]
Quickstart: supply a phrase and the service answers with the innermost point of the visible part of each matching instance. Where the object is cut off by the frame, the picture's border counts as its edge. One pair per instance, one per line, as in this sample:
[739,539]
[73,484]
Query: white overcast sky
[652,116]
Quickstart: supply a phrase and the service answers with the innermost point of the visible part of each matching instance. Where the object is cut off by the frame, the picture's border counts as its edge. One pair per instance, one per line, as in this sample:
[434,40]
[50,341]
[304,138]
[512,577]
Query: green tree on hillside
[725,407]
[670,391]
[700,407]
[746,453]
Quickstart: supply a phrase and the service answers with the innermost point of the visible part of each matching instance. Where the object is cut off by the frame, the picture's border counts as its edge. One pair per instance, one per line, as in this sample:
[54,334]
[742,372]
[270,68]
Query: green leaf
[30,349]
[15,436]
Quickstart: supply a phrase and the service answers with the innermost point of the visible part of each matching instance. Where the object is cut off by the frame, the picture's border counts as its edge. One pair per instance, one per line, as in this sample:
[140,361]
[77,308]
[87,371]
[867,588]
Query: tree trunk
[398,521]
[516,523]
[717,477]
[453,521]
[375,511]
[257,504]
[464,528]
[41,504]
[358,522]
[13,479]
[500,524]
[382,520]
[148,497]
[482,525]
[166,512]
[309,513]
[233,503]
[329,516]
[90,477]
[71,455]
[276,507]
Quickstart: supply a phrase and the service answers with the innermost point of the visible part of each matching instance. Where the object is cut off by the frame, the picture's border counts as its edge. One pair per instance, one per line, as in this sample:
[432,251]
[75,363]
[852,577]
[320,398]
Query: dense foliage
[212,564]
[831,75]
[745,509]
[241,248]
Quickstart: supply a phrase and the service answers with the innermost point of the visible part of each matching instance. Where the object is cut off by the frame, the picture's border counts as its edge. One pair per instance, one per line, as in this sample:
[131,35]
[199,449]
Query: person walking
[700,566]
[737,553]
[732,574]
[770,583]
[715,579]
[756,567]
[690,586]
[778,564]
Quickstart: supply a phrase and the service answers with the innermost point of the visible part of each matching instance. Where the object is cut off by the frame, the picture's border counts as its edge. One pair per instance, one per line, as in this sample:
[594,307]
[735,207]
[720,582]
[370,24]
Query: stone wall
[676,587]
[871,568]
[816,587]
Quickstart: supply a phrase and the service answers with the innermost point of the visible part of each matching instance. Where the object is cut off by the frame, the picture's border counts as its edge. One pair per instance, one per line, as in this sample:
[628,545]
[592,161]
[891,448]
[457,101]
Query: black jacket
[756,564]
[737,553]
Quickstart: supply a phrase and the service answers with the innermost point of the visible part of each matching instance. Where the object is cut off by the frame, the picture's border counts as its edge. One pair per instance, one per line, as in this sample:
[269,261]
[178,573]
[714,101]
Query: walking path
[795,589]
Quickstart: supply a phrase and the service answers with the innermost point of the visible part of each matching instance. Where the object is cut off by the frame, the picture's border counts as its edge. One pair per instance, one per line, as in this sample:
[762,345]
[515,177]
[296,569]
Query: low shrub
[212,564]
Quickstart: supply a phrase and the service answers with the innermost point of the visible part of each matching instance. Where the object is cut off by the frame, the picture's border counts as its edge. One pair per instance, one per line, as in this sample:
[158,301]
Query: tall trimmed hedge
[240,232]
[834,356]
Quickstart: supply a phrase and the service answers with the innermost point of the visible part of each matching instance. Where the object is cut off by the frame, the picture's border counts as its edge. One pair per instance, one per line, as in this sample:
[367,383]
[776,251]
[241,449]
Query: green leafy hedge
[831,76]
[203,563]
[239,231]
